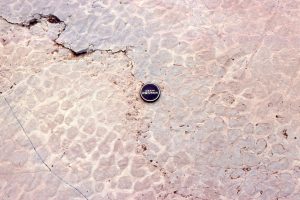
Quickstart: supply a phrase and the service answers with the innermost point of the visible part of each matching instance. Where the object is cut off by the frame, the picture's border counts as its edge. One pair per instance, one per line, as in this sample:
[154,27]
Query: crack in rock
[37,153]
[37,18]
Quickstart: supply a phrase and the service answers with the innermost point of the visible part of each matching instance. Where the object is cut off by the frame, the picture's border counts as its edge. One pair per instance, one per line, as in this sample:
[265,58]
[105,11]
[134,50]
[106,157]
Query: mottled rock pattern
[226,126]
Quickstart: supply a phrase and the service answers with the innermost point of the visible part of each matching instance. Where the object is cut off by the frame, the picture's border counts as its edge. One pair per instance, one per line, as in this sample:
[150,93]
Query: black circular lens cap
[150,92]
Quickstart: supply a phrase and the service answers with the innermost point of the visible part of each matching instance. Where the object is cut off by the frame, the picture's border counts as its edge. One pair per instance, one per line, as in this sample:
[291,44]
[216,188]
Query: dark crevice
[80,53]
[31,23]
[53,19]
[74,53]
[37,18]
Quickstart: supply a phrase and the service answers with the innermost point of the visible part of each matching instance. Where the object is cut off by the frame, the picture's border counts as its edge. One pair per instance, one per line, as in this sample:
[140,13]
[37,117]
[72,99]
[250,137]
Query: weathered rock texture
[72,125]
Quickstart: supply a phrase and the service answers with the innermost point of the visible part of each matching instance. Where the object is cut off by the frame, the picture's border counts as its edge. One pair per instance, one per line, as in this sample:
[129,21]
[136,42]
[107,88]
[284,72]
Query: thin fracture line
[24,131]
[40,157]
[60,178]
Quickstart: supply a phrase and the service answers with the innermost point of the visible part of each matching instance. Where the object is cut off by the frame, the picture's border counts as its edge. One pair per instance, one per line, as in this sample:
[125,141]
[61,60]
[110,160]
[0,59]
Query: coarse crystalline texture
[226,125]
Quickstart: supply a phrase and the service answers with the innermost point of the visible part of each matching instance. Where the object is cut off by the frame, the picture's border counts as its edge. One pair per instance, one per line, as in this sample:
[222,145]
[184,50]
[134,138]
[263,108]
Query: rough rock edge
[37,18]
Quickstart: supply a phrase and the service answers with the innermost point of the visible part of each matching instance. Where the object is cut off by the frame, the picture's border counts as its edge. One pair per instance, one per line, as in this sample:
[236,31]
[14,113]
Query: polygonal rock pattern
[226,126]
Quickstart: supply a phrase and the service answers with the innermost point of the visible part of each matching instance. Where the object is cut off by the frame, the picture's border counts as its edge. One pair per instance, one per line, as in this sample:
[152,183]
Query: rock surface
[226,126]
